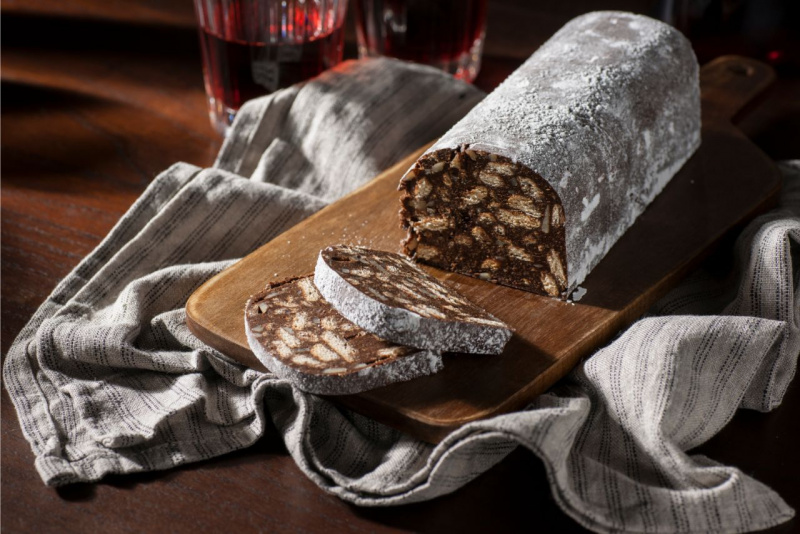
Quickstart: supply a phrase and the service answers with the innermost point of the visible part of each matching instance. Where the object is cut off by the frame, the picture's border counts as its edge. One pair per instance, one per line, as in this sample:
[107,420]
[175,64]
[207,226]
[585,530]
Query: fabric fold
[365,115]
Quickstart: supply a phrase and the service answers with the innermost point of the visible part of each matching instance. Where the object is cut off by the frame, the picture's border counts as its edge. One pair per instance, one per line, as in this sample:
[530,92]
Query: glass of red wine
[447,34]
[253,47]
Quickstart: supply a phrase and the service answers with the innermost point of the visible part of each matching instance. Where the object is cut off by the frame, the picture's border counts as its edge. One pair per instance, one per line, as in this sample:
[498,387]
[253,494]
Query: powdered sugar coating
[388,295]
[606,111]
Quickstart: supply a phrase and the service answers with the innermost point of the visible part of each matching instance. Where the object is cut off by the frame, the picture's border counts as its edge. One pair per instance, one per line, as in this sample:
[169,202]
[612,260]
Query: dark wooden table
[98,96]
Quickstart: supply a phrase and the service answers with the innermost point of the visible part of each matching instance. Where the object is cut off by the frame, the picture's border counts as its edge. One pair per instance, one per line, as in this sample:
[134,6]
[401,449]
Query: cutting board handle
[730,83]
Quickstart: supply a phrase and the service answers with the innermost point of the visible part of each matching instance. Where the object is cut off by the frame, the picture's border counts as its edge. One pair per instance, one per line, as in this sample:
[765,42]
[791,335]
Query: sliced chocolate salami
[297,335]
[388,295]
[533,187]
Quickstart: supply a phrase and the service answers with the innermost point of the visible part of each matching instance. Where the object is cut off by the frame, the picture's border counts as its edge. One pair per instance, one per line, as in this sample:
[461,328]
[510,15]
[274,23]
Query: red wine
[244,56]
[443,33]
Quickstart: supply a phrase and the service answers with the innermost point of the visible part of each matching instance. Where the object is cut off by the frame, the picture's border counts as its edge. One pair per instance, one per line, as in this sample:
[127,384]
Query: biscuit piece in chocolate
[297,335]
[386,294]
[538,181]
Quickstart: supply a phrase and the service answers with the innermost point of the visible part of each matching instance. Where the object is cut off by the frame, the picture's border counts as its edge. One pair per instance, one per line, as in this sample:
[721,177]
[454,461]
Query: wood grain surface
[94,105]
[691,215]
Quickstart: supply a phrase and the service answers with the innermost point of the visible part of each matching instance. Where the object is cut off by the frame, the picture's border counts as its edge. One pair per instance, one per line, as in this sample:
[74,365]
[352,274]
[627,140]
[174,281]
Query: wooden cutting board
[726,183]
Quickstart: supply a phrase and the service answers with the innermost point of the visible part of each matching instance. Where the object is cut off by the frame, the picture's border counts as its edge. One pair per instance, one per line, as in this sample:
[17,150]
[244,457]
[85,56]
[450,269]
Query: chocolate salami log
[539,180]
[297,335]
[386,294]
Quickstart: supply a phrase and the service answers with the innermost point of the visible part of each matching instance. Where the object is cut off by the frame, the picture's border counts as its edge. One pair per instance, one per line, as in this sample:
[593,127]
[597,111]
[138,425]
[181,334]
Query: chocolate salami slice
[386,294]
[539,180]
[297,335]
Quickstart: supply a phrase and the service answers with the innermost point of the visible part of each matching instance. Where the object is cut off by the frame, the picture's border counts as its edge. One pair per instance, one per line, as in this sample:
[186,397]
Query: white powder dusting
[589,207]
[578,294]
[612,95]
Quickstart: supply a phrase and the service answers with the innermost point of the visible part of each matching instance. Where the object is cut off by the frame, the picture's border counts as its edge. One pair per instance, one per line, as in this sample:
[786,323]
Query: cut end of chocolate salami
[481,214]
[538,181]
[298,336]
[388,295]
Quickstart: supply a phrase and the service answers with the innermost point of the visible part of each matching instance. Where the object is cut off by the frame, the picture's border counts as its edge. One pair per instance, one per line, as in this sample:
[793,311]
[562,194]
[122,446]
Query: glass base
[469,64]
[221,116]
[465,67]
